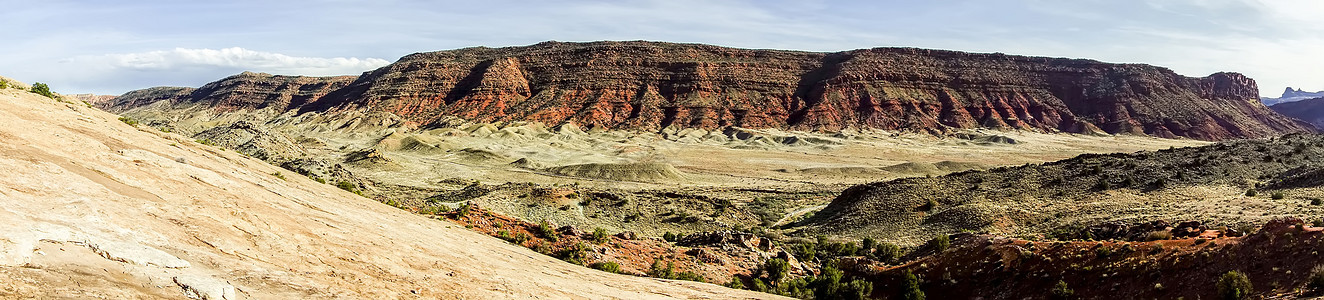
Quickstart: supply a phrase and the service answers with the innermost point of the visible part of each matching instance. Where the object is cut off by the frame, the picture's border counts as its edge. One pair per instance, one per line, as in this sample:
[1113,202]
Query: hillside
[97,208]
[651,86]
[1207,183]
[1309,110]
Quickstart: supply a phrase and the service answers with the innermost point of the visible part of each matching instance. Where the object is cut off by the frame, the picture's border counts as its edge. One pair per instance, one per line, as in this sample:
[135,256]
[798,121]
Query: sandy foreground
[91,207]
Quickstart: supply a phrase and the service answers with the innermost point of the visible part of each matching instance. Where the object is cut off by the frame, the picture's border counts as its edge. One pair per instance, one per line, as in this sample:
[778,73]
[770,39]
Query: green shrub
[803,250]
[609,266]
[735,283]
[1251,193]
[690,276]
[658,270]
[278,175]
[857,289]
[1316,201]
[348,186]
[128,120]
[545,229]
[1061,291]
[42,89]
[574,254]
[1234,286]
[867,245]
[520,238]
[4,84]
[599,235]
[776,269]
[1277,195]
[910,287]
[464,210]
[940,243]
[669,237]
[887,252]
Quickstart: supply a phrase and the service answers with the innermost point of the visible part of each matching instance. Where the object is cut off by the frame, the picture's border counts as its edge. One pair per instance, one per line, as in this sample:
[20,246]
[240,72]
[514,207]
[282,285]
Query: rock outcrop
[653,85]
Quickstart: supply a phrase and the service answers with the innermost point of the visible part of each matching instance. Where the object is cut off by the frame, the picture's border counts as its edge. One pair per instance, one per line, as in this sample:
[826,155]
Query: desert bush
[348,187]
[4,84]
[1316,201]
[887,252]
[463,210]
[1277,195]
[803,250]
[910,287]
[662,271]
[776,269]
[574,254]
[599,235]
[609,266]
[735,283]
[1234,286]
[940,243]
[1061,291]
[42,89]
[1159,235]
[278,175]
[867,245]
[128,120]
[545,229]
[1251,193]
[520,238]
[690,276]
[669,237]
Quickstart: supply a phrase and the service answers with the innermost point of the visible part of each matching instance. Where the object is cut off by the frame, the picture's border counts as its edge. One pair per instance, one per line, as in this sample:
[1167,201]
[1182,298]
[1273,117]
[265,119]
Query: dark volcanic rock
[651,85]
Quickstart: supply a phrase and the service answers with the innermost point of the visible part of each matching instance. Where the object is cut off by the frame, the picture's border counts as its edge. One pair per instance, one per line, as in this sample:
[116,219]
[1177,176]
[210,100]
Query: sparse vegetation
[128,120]
[940,243]
[600,235]
[1061,291]
[278,175]
[545,229]
[1234,286]
[776,269]
[42,89]
[349,187]
[669,237]
[1277,195]
[1251,193]
[887,252]
[607,266]
[910,287]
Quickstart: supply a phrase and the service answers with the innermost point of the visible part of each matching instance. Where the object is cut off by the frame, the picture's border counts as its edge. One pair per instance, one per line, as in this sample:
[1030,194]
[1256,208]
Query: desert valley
[663,170]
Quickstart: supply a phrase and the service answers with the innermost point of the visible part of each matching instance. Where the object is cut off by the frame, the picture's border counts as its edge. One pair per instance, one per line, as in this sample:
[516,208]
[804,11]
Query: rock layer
[653,85]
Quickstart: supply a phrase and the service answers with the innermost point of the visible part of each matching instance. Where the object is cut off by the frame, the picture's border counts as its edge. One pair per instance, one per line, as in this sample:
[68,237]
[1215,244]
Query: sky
[111,47]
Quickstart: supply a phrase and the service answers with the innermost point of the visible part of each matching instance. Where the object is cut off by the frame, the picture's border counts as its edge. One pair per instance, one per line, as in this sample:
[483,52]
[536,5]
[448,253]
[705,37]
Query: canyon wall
[653,85]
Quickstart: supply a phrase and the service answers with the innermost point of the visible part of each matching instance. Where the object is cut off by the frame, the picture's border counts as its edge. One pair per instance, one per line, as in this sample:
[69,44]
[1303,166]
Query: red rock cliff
[651,85]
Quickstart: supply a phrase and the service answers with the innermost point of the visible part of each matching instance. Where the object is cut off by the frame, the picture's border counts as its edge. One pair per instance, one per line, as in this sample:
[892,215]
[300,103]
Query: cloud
[232,58]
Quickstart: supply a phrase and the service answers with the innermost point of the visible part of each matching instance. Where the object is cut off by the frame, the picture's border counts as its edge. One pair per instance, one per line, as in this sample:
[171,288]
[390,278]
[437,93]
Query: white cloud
[232,58]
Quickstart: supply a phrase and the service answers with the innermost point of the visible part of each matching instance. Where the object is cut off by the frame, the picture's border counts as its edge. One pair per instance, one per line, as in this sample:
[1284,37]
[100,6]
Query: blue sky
[110,47]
